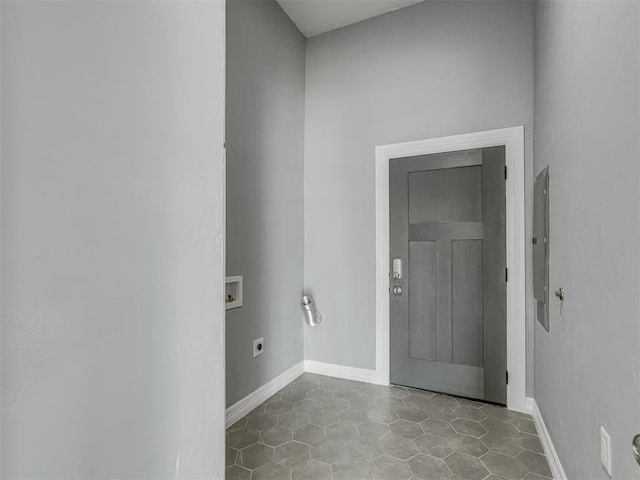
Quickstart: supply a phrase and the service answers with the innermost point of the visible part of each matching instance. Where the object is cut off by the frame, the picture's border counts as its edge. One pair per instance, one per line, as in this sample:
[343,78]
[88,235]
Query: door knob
[397,290]
[635,447]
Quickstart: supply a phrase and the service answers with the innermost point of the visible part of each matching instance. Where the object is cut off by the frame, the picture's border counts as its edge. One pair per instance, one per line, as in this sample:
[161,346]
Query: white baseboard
[528,405]
[242,407]
[547,444]
[341,371]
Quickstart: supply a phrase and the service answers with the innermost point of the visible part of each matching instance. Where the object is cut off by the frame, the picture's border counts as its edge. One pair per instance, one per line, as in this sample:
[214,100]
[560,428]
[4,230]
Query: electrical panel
[540,242]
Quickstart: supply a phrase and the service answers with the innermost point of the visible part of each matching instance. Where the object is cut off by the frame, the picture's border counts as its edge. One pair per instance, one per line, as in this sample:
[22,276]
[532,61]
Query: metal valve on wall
[312,316]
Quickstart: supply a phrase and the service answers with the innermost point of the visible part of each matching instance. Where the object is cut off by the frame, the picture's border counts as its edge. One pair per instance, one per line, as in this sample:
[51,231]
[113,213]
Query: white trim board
[242,407]
[529,406]
[513,140]
[341,371]
[547,444]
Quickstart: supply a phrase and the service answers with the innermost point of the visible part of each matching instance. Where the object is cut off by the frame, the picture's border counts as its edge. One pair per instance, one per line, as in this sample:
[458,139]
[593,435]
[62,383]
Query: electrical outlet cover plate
[605,450]
[258,347]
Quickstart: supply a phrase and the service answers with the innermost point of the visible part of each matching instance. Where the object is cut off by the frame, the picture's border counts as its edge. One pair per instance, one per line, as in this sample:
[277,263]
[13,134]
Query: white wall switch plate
[605,451]
[258,347]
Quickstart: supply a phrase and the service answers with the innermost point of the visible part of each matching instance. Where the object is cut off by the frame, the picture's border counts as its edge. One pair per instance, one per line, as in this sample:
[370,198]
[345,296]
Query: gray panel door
[448,317]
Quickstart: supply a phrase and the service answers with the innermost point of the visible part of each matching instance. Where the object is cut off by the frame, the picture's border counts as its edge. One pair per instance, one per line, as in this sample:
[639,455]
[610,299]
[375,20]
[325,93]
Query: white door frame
[513,140]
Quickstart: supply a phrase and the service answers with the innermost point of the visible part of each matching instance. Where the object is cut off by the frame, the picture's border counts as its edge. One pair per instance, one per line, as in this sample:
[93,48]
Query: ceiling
[313,17]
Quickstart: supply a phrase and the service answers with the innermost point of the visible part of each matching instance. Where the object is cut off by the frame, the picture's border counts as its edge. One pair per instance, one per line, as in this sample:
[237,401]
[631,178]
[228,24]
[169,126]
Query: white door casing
[513,140]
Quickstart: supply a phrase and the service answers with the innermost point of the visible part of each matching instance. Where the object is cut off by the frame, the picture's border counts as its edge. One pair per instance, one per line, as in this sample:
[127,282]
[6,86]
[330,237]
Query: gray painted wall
[112,247]
[265,134]
[430,70]
[587,118]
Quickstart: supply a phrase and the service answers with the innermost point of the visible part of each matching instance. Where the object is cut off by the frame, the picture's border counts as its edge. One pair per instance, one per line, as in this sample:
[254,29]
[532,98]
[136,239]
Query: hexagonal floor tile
[499,427]
[358,385]
[347,469]
[428,468]
[390,402]
[309,434]
[335,405]
[420,391]
[262,421]
[524,425]
[308,406]
[293,420]
[311,470]
[434,446]
[504,466]
[343,384]
[255,456]
[437,428]
[323,419]
[362,403]
[386,467]
[313,378]
[465,466]
[346,394]
[305,386]
[257,410]
[240,424]
[411,414]
[331,384]
[376,391]
[354,427]
[288,388]
[468,427]
[443,401]
[279,407]
[501,444]
[528,442]
[320,394]
[342,431]
[403,428]
[354,417]
[417,401]
[398,447]
[531,476]
[498,412]
[328,450]
[469,413]
[363,450]
[373,430]
[294,396]
[291,453]
[276,436]
[467,445]
[440,413]
[382,414]
[467,402]
[230,455]
[234,472]
[535,463]
[272,471]
[273,398]
[242,438]
[401,392]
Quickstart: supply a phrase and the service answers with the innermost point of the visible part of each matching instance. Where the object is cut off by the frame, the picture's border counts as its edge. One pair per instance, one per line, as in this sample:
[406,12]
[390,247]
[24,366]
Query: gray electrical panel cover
[541,247]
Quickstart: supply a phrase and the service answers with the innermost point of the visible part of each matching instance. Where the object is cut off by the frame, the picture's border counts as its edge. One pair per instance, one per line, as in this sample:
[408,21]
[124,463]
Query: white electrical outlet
[258,347]
[605,451]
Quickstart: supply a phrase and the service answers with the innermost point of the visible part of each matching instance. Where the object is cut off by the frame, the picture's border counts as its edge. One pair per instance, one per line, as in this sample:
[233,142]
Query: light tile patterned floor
[325,428]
